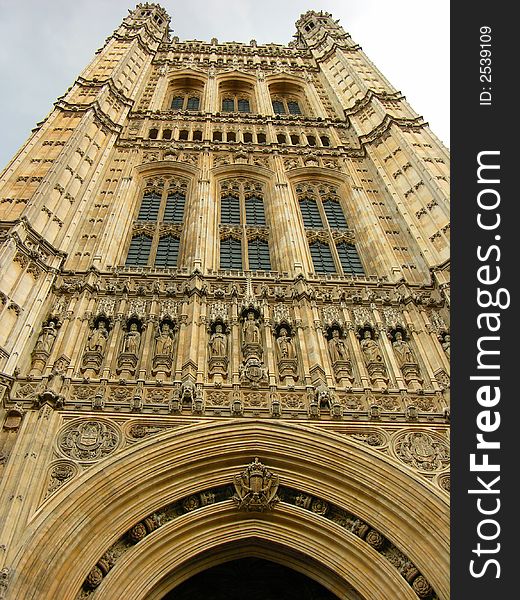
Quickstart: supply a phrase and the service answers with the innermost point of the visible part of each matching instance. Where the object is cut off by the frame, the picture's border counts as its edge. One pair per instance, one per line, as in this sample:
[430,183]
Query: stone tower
[225,327]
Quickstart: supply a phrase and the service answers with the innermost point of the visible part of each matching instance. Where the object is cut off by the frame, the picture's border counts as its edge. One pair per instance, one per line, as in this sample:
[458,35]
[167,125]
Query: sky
[45,44]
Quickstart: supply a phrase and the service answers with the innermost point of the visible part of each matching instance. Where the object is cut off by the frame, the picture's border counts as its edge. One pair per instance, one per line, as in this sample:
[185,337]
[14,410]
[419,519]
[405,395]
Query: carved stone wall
[106,355]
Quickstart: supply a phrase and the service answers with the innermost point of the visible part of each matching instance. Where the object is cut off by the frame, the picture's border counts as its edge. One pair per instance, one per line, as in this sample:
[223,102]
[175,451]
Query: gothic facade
[225,324]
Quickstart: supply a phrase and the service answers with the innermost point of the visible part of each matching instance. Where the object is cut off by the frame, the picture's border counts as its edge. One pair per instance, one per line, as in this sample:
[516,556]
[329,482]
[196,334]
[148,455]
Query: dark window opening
[139,251]
[281,138]
[310,213]
[167,134]
[261,138]
[311,140]
[177,103]
[231,254]
[174,210]
[278,107]
[325,140]
[197,136]
[243,105]
[294,108]
[255,214]
[230,210]
[248,137]
[295,139]
[167,252]
[149,209]
[183,134]
[153,134]
[228,105]
[322,258]
[193,103]
[258,252]
[349,259]
[217,136]
[335,215]
[231,136]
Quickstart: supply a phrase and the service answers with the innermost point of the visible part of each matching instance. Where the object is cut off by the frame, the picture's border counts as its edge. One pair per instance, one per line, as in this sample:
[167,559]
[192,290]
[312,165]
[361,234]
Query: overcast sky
[45,44]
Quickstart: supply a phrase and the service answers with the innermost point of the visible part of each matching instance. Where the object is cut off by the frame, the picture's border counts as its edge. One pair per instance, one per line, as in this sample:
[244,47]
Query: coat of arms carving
[255,488]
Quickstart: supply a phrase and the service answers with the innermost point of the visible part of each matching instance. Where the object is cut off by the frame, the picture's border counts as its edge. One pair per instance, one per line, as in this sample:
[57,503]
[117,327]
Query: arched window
[278,107]
[230,254]
[228,105]
[349,259]
[153,134]
[255,214]
[177,103]
[193,103]
[230,210]
[322,258]
[139,251]
[294,107]
[335,215]
[163,204]
[310,213]
[243,105]
[258,254]
[281,138]
[167,252]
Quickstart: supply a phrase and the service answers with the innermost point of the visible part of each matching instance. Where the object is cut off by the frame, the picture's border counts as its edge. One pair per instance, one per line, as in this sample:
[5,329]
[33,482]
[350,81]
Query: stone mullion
[386,346]
[118,224]
[157,101]
[320,353]
[296,247]
[147,342]
[265,106]
[66,342]
[235,345]
[202,345]
[23,326]
[270,358]
[357,353]
[195,337]
[24,479]
[438,360]
[183,341]
[371,238]
[206,235]
[415,330]
[114,346]
[211,95]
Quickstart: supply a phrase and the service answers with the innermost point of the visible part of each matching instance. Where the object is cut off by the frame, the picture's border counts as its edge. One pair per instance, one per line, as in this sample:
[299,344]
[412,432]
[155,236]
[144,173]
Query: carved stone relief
[88,440]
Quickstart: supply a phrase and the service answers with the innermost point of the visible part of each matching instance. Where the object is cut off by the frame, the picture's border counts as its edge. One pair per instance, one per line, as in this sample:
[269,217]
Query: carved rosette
[89,440]
[255,488]
[60,472]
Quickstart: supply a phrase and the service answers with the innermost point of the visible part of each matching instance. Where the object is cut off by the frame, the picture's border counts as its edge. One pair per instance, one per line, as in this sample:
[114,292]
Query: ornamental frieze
[257,489]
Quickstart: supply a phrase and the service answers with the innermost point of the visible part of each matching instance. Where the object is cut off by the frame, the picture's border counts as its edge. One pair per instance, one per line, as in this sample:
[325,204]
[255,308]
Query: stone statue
[164,341]
[370,348]
[250,330]
[47,337]
[285,346]
[402,350]
[446,344]
[98,338]
[218,343]
[132,340]
[337,348]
